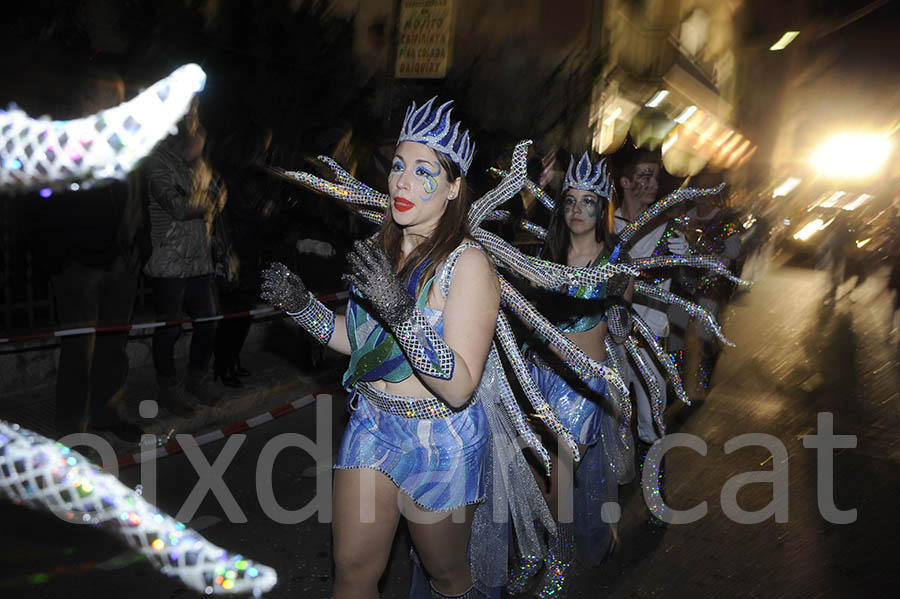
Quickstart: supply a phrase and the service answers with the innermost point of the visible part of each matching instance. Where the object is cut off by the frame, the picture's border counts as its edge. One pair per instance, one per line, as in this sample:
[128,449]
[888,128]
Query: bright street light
[851,155]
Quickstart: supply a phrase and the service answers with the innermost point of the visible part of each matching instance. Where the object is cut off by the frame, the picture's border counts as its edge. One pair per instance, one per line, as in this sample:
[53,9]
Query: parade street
[798,358]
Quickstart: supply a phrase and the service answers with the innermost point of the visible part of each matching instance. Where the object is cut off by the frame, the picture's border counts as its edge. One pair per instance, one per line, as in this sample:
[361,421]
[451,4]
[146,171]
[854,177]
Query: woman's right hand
[284,289]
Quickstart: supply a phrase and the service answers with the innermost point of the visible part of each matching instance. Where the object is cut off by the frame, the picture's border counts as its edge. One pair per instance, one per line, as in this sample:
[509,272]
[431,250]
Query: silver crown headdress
[582,176]
[433,128]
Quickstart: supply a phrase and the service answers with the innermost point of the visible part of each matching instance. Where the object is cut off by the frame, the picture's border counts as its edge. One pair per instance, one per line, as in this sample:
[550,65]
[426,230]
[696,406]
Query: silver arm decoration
[349,189]
[544,273]
[585,367]
[425,349]
[516,416]
[706,262]
[613,359]
[507,188]
[664,358]
[533,187]
[45,475]
[524,224]
[653,386]
[676,197]
[618,320]
[106,145]
[691,308]
[537,401]
[372,216]
[533,228]
[316,319]
[498,216]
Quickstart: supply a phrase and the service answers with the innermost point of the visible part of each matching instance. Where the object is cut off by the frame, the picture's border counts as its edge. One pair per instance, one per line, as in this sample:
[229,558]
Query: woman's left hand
[374,277]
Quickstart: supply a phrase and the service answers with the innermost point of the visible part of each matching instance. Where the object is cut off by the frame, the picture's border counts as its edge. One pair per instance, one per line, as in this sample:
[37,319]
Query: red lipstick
[402,204]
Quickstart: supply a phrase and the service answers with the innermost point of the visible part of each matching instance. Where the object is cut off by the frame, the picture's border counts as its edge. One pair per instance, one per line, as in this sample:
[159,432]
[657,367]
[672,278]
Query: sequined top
[572,314]
[579,313]
[374,353]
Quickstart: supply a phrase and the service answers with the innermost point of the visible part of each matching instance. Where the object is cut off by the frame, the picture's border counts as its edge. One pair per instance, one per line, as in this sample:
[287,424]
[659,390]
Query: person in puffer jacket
[184,198]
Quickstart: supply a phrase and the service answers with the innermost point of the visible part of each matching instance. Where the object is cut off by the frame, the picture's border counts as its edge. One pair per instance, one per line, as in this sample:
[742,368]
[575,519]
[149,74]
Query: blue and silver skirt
[579,410]
[434,454]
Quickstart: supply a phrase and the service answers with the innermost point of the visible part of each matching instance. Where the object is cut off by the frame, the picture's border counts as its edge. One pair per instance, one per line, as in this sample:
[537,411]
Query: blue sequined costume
[434,454]
[577,409]
[583,409]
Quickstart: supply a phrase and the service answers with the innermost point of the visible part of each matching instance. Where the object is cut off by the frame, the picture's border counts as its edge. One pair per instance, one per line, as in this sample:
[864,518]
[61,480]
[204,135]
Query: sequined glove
[374,278]
[284,289]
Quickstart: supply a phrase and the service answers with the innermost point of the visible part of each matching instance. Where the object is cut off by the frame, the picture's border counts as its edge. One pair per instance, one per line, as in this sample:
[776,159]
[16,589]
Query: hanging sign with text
[424,39]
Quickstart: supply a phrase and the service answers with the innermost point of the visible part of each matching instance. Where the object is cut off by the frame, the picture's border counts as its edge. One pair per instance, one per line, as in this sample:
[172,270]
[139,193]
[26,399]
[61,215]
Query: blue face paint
[430,184]
[588,205]
[396,168]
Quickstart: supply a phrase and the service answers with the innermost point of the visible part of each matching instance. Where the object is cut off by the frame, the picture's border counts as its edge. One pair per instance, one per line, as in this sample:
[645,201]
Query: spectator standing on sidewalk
[184,198]
[248,208]
[92,248]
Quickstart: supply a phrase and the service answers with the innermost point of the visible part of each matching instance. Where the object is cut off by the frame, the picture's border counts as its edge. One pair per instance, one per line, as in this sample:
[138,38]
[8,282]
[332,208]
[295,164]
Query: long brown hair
[450,231]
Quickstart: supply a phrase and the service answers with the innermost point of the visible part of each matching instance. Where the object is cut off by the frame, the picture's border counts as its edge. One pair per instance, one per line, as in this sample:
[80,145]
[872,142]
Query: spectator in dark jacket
[184,199]
[92,250]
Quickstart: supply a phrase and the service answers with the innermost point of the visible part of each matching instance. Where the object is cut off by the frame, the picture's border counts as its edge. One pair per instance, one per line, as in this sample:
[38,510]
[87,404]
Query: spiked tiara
[582,176]
[432,127]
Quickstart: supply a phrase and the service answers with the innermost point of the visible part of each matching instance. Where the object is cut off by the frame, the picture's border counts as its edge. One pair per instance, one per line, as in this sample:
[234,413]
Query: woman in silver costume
[579,235]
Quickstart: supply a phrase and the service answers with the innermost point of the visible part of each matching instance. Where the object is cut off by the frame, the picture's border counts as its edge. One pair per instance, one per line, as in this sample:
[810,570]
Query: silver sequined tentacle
[524,224]
[45,475]
[537,401]
[533,228]
[498,216]
[106,145]
[664,358]
[676,197]
[695,310]
[614,361]
[653,385]
[542,196]
[507,188]
[514,412]
[546,274]
[342,175]
[581,364]
[712,263]
[372,216]
[350,191]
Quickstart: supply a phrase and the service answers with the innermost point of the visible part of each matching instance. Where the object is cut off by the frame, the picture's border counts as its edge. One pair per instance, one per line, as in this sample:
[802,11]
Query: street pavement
[798,355]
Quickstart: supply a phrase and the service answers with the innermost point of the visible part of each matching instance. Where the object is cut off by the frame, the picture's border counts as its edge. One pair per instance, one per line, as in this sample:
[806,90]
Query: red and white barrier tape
[226,431]
[328,297]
